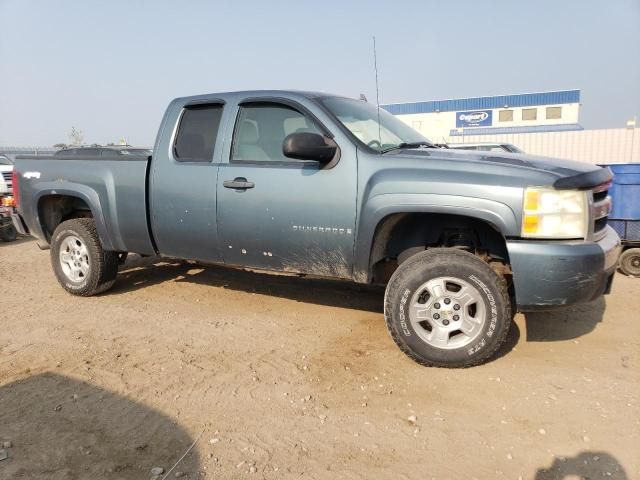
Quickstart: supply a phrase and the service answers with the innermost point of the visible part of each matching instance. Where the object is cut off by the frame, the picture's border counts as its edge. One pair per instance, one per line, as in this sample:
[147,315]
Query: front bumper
[550,274]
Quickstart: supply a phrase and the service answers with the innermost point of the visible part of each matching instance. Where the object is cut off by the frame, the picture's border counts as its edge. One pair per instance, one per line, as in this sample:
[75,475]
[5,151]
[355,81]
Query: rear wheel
[630,262]
[80,264]
[446,307]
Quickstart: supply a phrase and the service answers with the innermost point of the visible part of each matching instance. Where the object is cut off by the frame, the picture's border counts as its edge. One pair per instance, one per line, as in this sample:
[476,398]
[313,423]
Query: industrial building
[523,113]
[544,123]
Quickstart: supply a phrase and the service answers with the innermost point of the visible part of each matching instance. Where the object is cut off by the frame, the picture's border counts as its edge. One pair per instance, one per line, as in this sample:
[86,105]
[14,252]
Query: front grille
[599,224]
[601,207]
[599,196]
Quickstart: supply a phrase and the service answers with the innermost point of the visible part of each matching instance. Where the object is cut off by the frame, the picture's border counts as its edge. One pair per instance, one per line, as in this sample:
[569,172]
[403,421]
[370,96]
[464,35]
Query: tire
[80,264]
[630,262]
[466,314]
[8,233]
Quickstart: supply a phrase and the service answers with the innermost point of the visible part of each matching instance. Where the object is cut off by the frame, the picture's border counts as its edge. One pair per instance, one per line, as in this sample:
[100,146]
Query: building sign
[474,118]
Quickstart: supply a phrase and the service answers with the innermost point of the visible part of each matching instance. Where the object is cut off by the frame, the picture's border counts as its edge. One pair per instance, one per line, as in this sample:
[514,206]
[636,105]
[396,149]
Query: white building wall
[611,145]
[438,125]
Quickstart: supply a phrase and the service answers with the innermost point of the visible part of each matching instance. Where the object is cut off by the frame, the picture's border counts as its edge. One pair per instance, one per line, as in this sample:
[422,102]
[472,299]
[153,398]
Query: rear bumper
[553,274]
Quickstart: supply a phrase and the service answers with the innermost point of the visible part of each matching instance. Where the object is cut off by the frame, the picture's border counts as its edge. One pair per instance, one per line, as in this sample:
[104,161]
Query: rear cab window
[197,132]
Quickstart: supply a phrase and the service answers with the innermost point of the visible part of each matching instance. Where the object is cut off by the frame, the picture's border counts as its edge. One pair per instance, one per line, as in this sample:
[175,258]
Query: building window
[553,113]
[505,116]
[529,113]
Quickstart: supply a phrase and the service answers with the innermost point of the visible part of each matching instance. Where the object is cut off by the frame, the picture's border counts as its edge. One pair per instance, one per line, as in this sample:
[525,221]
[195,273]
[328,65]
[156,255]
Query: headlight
[549,213]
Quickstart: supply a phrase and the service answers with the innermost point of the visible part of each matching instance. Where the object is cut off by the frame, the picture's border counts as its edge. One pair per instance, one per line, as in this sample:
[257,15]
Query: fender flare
[84,193]
[498,215]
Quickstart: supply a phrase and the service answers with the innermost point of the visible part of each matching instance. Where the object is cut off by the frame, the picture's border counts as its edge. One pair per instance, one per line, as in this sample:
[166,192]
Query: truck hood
[562,174]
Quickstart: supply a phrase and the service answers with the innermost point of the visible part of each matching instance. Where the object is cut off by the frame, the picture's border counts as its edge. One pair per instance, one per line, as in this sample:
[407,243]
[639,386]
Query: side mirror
[309,146]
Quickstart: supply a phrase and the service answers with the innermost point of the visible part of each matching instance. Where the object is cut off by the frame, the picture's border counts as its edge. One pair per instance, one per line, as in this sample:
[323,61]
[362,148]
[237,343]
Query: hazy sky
[110,67]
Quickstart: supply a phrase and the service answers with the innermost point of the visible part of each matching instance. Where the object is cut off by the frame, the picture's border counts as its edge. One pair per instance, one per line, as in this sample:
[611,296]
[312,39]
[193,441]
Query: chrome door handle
[238,183]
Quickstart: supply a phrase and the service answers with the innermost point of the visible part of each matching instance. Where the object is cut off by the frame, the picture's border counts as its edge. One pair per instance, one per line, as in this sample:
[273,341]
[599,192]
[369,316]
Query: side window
[261,129]
[197,133]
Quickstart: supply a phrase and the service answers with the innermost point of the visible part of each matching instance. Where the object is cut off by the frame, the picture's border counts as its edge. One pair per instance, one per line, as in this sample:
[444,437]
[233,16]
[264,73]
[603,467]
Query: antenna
[375,66]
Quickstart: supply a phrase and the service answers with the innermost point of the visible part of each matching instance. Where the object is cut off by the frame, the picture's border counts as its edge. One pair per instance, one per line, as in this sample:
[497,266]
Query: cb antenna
[375,66]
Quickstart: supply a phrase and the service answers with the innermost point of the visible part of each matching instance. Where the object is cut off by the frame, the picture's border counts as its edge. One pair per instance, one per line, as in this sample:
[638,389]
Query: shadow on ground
[587,465]
[140,273]
[513,337]
[565,324]
[17,241]
[62,428]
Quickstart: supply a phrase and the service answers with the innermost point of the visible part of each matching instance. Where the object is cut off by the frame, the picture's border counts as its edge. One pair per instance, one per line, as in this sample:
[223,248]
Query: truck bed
[114,189]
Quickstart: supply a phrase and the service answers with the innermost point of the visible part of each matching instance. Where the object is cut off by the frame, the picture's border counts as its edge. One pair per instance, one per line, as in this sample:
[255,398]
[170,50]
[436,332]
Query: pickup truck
[322,185]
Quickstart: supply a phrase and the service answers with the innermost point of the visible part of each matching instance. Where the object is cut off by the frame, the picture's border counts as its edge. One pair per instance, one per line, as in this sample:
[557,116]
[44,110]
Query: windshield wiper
[407,145]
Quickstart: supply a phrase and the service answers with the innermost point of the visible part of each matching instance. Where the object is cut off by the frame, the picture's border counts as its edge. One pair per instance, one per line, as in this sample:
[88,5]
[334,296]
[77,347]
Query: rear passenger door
[182,188]
[289,215]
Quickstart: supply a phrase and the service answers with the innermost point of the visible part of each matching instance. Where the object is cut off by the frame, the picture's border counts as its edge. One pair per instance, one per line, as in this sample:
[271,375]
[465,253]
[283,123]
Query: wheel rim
[447,312]
[632,264]
[74,259]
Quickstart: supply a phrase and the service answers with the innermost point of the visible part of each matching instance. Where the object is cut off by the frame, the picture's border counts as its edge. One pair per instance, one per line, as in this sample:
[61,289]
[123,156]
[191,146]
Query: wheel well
[55,209]
[401,235]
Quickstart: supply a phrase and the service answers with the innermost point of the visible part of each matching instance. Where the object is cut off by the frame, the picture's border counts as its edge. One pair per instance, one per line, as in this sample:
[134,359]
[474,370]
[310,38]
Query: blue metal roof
[567,127]
[479,103]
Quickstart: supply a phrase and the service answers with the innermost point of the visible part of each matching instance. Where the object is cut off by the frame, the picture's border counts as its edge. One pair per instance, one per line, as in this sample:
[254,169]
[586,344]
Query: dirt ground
[279,377]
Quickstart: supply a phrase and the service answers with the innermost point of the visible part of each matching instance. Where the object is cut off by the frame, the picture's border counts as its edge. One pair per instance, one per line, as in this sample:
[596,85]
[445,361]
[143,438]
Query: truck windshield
[361,119]
[5,160]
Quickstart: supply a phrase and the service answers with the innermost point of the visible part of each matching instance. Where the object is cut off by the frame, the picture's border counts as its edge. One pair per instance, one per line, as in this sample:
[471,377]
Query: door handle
[238,183]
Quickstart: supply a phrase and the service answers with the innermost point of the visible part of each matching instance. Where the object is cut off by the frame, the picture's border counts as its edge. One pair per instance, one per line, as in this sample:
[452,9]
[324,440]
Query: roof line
[484,96]
[469,132]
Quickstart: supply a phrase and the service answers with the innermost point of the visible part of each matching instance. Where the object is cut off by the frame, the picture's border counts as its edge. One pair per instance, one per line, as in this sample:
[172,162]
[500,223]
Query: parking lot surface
[279,377]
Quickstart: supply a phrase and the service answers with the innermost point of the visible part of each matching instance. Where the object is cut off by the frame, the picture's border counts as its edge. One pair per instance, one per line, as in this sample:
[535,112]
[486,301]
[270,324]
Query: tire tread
[107,262]
[456,255]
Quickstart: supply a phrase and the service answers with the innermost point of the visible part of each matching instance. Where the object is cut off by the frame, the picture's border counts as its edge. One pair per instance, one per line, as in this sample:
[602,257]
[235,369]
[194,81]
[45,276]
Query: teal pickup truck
[322,185]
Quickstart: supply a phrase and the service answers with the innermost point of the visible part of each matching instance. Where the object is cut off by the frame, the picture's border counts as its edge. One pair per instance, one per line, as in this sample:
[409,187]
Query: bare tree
[76,136]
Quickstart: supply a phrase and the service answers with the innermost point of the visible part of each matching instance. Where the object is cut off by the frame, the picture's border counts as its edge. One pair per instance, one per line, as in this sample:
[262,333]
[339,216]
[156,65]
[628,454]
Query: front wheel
[446,307]
[80,264]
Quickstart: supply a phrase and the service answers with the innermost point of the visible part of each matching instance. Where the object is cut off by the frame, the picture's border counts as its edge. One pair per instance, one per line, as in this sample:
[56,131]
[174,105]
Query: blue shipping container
[625,191]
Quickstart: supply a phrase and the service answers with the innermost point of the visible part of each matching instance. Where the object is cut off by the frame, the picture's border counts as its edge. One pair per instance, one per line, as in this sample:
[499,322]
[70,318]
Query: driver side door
[279,213]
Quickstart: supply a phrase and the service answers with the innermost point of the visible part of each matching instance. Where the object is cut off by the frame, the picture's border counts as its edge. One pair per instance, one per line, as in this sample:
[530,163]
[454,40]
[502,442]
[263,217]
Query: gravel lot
[279,377]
